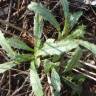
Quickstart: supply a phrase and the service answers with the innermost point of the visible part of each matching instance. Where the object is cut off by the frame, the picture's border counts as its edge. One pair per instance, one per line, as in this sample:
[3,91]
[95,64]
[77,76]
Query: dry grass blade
[86,75]
[11,25]
[88,64]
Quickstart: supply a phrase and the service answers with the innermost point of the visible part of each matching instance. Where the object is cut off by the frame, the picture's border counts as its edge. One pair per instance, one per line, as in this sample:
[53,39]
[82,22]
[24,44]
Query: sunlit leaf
[23,57]
[74,18]
[77,33]
[56,48]
[38,30]
[70,19]
[15,42]
[38,25]
[6,66]
[48,65]
[73,62]
[88,45]
[45,13]
[75,88]
[35,81]
[4,44]
[65,5]
[56,83]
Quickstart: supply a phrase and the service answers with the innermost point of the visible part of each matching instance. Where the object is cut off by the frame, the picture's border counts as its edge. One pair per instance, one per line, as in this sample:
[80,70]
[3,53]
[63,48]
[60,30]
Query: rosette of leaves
[68,41]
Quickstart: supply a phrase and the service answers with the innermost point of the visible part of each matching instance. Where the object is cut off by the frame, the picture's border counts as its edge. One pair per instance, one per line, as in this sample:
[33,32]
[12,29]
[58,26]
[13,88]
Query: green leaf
[37,61]
[88,45]
[75,88]
[55,58]
[65,6]
[6,66]
[6,46]
[23,57]
[70,19]
[15,42]
[45,13]
[48,65]
[74,18]
[55,79]
[38,25]
[66,28]
[38,30]
[35,81]
[56,48]
[73,62]
[78,33]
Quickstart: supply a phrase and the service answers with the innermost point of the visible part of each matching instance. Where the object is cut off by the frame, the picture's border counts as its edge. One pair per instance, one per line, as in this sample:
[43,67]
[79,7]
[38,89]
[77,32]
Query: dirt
[15,82]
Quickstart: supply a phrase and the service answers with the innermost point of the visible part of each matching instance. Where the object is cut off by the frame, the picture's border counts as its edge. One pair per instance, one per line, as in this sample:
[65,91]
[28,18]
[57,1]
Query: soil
[15,82]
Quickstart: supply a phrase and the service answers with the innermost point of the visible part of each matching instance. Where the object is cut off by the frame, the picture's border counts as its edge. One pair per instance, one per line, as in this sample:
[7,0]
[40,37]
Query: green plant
[68,41]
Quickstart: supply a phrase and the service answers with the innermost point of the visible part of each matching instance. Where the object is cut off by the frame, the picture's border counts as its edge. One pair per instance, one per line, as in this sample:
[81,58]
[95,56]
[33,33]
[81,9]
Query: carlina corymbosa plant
[69,42]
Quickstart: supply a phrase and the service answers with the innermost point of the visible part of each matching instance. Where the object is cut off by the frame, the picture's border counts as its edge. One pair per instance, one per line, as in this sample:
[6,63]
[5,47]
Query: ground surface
[15,82]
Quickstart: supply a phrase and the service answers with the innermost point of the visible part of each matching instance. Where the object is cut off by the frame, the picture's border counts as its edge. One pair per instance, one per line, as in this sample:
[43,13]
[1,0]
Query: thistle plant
[69,40]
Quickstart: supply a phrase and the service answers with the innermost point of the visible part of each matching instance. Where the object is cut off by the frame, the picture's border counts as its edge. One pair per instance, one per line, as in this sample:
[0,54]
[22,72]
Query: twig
[88,64]
[11,25]
[87,72]
[49,81]
[57,4]
[9,13]
[86,75]
[9,91]
[14,93]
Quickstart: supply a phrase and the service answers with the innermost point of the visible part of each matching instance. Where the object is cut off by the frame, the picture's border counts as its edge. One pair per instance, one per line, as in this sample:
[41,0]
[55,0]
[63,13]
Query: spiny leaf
[88,45]
[66,28]
[65,6]
[6,46]
[56,83]
[48,65]
[73,62]
[23,57]
[78,33]
[56,48]
[38,29]
[38,25]
[15,42]
[75,88]
[35,81]
[45,13]
[6,66]
[74,18]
